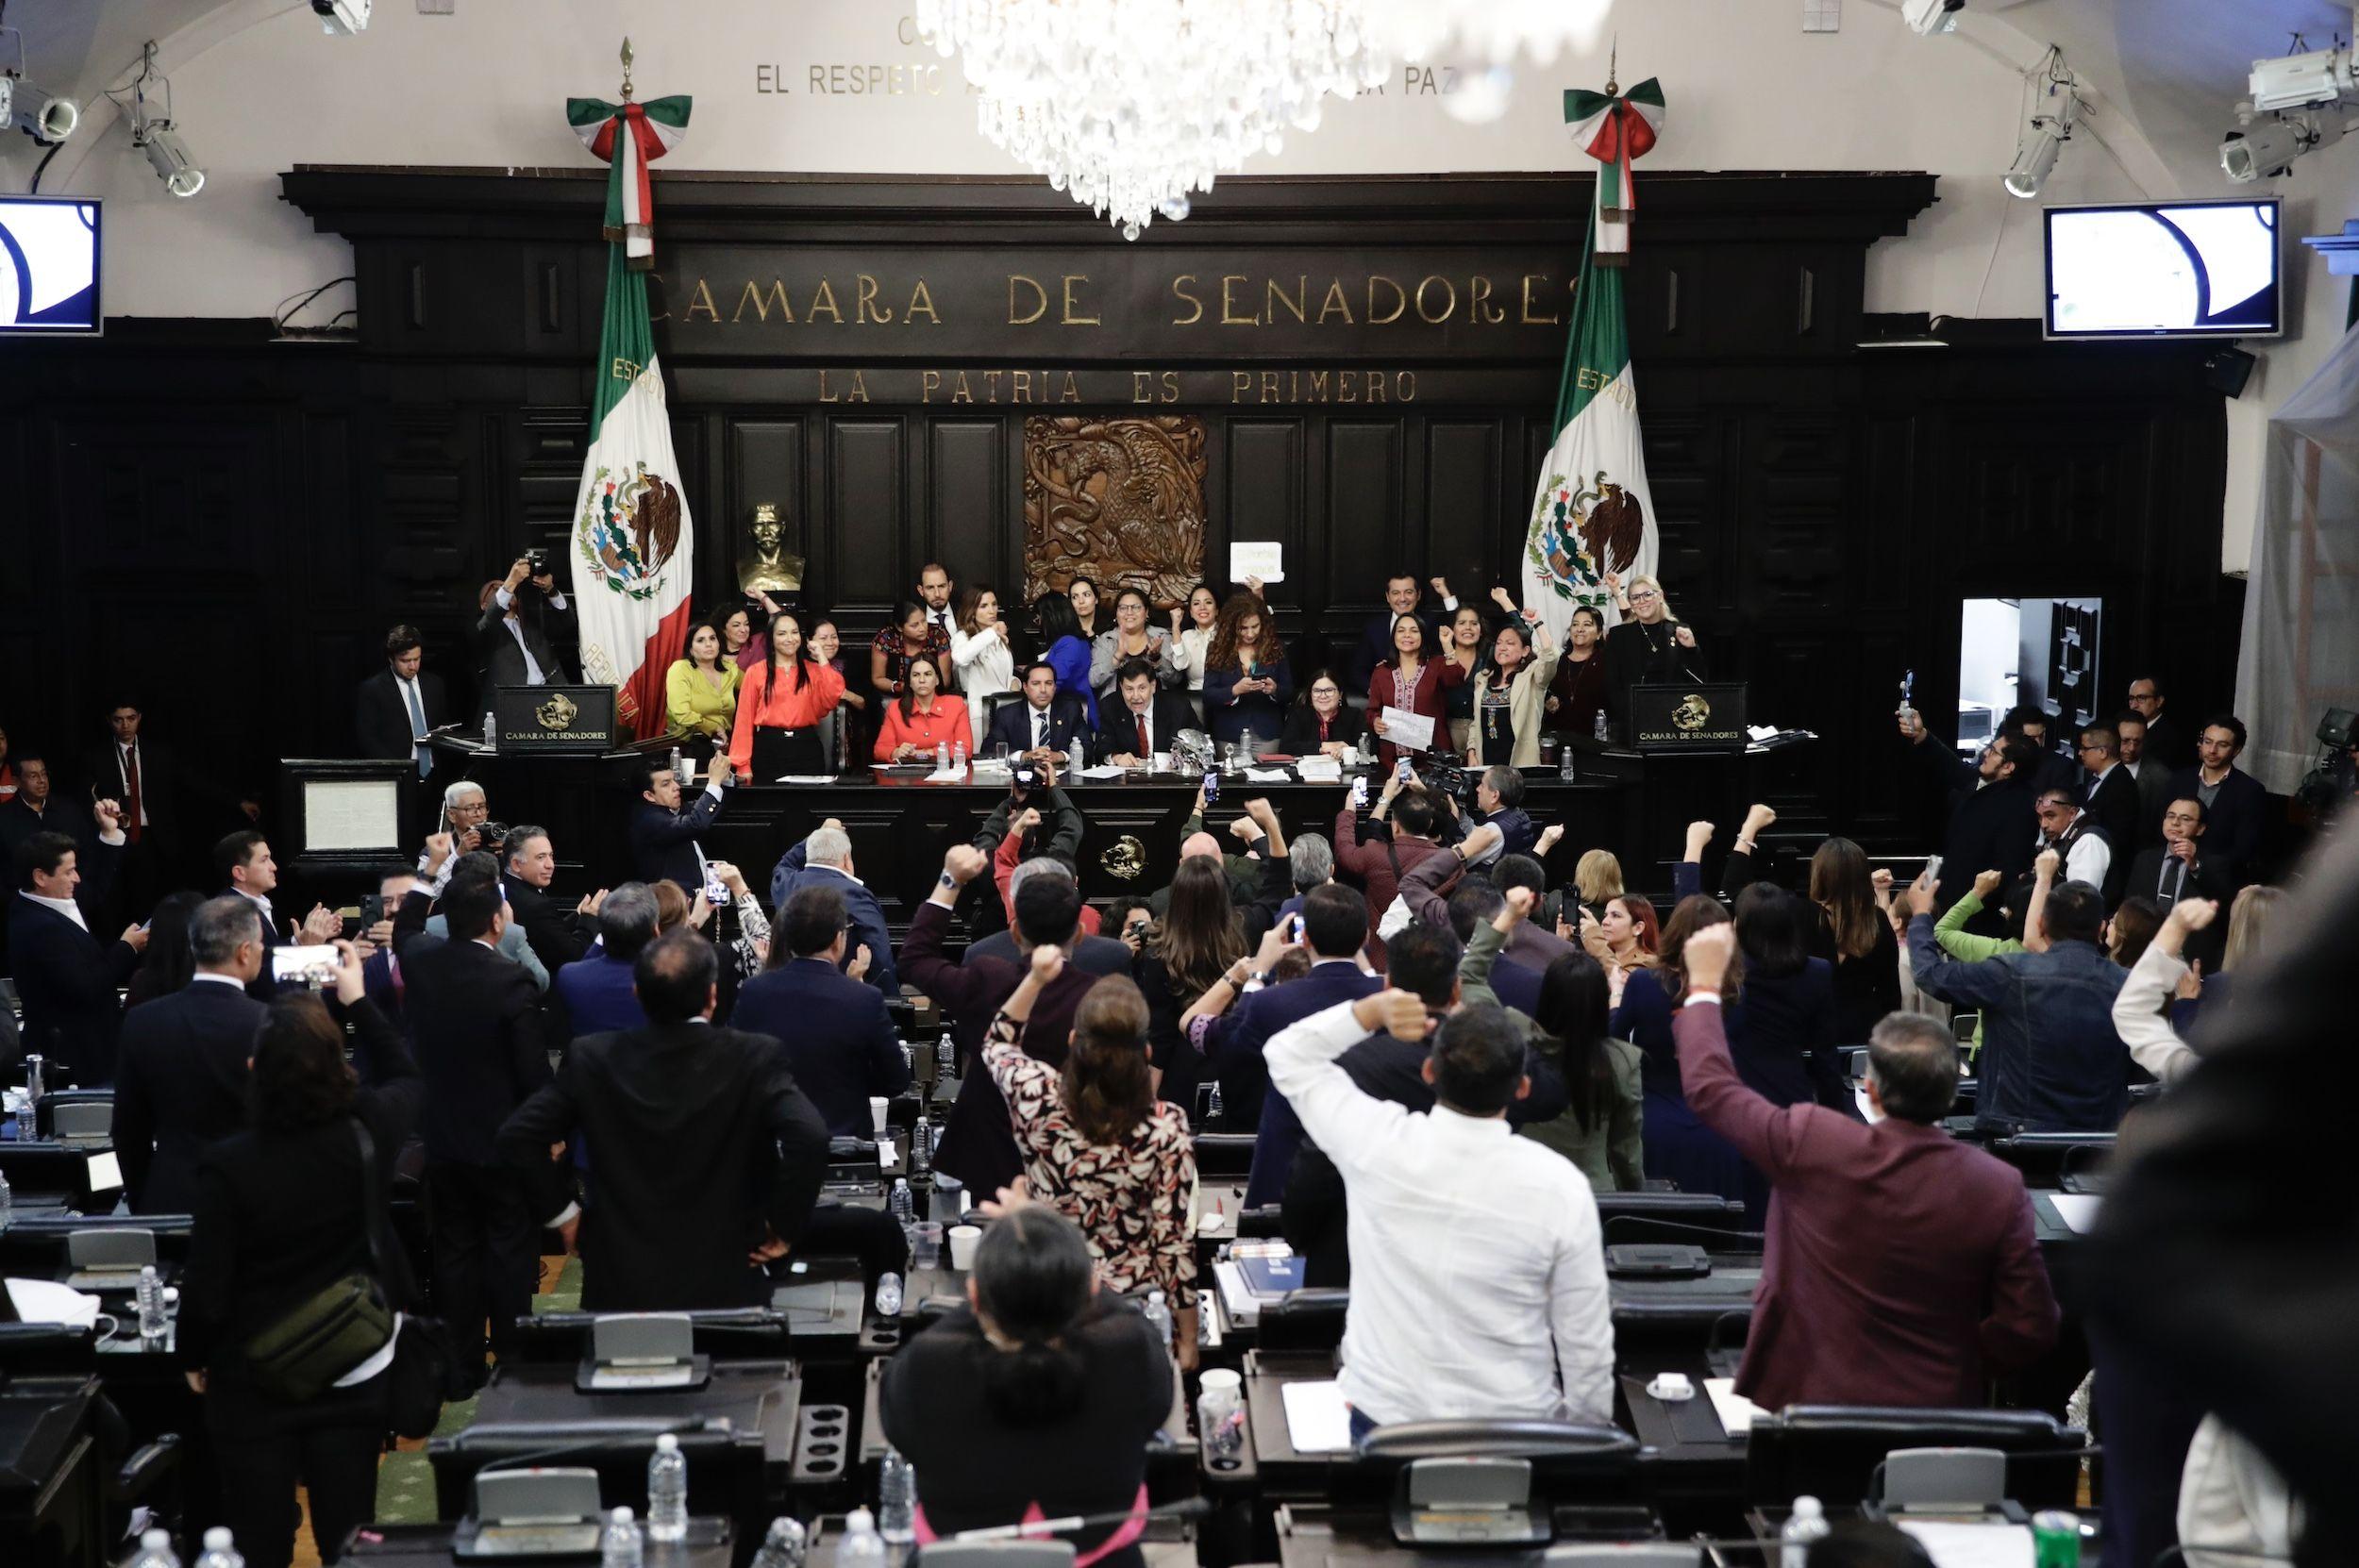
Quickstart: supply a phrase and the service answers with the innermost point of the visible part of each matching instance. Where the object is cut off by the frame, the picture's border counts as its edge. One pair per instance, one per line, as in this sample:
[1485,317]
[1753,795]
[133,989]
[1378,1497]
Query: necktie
[417,724]
[1040,730]
[1146,747]
[133,818]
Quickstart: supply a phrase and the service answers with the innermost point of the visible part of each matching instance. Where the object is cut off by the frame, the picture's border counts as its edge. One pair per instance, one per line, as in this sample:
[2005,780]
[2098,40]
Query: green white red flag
[1617,131]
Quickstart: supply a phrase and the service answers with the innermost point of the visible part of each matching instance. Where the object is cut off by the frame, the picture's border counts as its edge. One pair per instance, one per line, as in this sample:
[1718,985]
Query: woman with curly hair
[1246,682]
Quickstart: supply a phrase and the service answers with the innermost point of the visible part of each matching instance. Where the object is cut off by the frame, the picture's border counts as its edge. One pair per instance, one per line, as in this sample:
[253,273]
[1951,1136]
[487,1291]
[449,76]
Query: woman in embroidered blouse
[1098,1144]
[1130,638]
[1510,692]
[909,635]
[980,653]
[922,717]
[1414,681]
[701,690]
[1191,639]
[780,707]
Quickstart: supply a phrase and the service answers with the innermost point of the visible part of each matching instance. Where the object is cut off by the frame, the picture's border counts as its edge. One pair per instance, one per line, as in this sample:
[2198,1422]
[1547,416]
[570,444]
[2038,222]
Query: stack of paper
[1317,1420]
[1320,770]
[1736,1412]
[1268,775]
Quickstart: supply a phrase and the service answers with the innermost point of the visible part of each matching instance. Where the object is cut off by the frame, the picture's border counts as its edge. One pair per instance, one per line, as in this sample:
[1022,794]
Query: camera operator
[522,613]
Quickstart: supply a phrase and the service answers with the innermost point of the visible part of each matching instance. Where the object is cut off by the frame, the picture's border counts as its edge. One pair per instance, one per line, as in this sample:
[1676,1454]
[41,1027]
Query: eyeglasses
[1645,595]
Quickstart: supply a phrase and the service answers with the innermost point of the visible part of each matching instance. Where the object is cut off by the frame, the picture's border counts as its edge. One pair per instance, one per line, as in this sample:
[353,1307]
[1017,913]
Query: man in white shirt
[1477,1266]
[2064,827]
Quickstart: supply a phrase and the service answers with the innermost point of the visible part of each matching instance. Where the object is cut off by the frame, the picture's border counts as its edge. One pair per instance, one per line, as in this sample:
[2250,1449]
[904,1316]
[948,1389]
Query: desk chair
[1832,1451]
[746,1334]
[1572,1463]
[1224,1155]
[56,1170]
[2046,1158]
[1615,1554]
[1307,1319]
[45,1113]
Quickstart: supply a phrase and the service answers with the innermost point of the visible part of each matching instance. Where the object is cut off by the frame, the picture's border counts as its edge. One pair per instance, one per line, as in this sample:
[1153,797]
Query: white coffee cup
[878,1110]
[1222,1377]
[963,1239]
[1672,1387]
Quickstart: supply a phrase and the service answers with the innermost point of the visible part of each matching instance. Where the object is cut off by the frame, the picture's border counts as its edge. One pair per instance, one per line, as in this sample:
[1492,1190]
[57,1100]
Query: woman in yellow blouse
[701,690]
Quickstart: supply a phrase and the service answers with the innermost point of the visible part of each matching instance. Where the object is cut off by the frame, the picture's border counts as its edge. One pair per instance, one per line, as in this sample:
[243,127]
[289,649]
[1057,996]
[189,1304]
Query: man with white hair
[466,810]
[825,859]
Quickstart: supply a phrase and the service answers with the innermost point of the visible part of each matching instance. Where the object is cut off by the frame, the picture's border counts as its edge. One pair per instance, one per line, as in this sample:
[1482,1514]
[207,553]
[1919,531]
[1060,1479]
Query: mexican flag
[1593,513]
[634,543]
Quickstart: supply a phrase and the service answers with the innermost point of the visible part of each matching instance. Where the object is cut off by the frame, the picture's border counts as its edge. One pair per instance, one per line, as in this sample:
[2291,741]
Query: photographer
[514,638]
[1055,829]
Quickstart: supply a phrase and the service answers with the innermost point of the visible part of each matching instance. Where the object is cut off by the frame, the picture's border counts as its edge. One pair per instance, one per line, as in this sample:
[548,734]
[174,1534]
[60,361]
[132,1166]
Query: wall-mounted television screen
[2166,269]
[49,265]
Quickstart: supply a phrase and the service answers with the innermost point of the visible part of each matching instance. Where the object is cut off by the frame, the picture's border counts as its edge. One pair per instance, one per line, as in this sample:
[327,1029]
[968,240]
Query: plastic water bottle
[680,767]
[490,733]
[151,1298]
[958,755]
[1159,1314]
[667,1490]
[620,1546]
[156,1551]
[1565,765]
[862,1546]
[219,1553]
[903,1205]
[921,1147]
[1075,762]
[33,1087]
[1807,1524]
[946,1056]
[1248,746]
[7,1204]
[889,1296]
[942,756]
[785,1546]
[896,1499]
[1599,728]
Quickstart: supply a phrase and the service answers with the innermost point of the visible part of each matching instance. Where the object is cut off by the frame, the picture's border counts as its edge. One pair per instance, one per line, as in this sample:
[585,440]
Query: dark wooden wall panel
[1366,511]
[1462,496]
[1264,494]
[967,525]
[868,497]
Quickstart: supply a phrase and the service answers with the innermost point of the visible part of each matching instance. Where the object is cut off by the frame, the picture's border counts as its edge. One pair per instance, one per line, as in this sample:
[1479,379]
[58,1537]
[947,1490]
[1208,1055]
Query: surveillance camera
[343,17]
[1931,18]
[2297,81]
[41,114]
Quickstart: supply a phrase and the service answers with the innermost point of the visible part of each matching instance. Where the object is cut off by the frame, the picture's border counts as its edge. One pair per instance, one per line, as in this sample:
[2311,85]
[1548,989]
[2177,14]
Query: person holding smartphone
[524,617]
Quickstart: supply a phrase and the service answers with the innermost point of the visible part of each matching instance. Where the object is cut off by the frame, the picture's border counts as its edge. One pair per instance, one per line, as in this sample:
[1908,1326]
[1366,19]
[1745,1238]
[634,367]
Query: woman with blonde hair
[1651,645]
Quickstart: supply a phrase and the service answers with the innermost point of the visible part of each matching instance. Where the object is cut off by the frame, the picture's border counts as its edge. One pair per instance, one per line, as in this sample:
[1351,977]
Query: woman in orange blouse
[780,707]
[921,716]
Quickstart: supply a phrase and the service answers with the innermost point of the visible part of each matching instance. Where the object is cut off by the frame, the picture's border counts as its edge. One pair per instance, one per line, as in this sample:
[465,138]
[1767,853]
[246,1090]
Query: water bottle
[156,1551]
[1368,749]
[490,733]
[1807,1523]
[903,1205]
[680,767]
[620,1547]
[1565,765]
[1248,746]
[7,1204]
[151,1300]
[1598,729]
[896,1499]
[1158,1316]
[33,1090]
[921,1148]
[667,1490]
[862,1546]
[889,1296]
[942,756]
[945,1056]
[958,755]
[785,1546]
[1074,759]
[219,1553]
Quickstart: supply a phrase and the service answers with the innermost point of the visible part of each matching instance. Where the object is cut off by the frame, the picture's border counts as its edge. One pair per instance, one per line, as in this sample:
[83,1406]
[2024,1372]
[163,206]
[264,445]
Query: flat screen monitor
[49,265]
[2166,269]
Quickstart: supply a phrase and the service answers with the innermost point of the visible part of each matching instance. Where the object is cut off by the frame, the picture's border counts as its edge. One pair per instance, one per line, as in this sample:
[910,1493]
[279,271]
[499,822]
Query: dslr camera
[537,560]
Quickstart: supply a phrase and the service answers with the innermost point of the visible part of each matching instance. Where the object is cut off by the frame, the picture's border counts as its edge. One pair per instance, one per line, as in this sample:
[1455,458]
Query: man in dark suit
[1334,928]
[37,807]
[595,993]
[825,859]
[2180,869]
[1908,1274]
[2234,804]
[2151,774]
[65,978]
[663,835]
[397,708]
[243,866]
[1093,955]
[1045,722]
[1402,597]
[838,1042]
[1132,731]
[146,780]
[180,1069]
[1992,817]
[475,1019]
[558,937]
[2109,797]
[1431,888]
[707,1158]
[2166,740]
[516,638]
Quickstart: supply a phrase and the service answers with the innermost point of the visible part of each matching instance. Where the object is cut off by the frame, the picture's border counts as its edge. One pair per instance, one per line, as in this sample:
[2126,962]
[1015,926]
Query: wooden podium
[1688,717]
[572,719]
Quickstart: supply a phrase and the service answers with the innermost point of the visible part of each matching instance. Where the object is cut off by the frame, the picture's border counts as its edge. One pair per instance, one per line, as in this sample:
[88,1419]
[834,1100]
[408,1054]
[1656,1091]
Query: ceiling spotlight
[342,18]
[2264,147]
[44,116]
[170,155]
[2300,81]
[1931,18]
[2036,154]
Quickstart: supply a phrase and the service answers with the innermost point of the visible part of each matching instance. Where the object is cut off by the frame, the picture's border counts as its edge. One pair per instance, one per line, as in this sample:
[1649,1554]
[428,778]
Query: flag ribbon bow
[1617,130]
[629,136]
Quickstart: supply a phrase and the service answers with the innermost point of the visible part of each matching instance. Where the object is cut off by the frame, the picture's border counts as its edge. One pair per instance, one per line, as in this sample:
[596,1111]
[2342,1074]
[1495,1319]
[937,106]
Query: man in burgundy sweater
[1900,1267]
[1393,850]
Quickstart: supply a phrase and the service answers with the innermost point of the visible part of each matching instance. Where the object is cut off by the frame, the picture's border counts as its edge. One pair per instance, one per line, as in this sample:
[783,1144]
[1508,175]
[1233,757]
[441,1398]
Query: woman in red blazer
[1414,679]
[921,716]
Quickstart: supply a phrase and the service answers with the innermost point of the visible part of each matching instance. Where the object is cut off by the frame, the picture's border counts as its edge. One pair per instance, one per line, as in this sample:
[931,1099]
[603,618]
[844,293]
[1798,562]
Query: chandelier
[1131,105]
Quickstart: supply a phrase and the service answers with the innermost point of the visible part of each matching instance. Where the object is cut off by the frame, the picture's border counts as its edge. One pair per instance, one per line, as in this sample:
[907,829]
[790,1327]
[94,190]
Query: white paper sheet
[105,1171]
[351,813]
[952,774]
[1736,1412]
[1263,558]
[1104,771]
[1954,1544]
[804,779]
[1320,770]
[2077,1209]
[1317,1420]
[1407,731]
[1268,775]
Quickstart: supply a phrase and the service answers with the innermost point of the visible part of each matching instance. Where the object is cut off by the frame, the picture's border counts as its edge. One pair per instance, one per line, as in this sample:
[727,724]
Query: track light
[2260,148]
[1931,18]
[44,116]
[342,18]
[2042,141]
[2301,81]
[170,155]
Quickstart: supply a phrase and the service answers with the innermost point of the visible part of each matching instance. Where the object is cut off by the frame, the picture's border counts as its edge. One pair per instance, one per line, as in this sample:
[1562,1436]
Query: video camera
[2336,776]
[1454,779]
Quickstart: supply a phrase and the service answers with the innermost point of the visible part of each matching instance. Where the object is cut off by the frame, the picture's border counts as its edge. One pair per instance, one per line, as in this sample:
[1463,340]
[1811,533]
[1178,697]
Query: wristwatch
[946,881]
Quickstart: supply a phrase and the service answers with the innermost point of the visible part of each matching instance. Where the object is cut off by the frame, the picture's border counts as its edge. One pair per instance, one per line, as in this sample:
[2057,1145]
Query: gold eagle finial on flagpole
[627,69]
[1612,57]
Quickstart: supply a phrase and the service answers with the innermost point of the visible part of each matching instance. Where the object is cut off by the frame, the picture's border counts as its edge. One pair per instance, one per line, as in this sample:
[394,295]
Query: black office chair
[1572,1463]
[742,1334]
[1224,1155]
[1308,1319]
[2044,1157]
[53,1171]
[1831,1451]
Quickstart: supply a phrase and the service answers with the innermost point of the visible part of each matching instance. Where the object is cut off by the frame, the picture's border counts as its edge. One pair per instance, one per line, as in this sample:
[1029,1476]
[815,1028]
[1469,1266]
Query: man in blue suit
[663,835]
[1334,928]
[594,993]
[825,859]
[181,1072]
[839,1043]
[1047,720]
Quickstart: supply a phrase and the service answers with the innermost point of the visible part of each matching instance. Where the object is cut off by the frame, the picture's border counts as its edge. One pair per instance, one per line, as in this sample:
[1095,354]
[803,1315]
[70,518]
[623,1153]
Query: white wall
[257,88]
